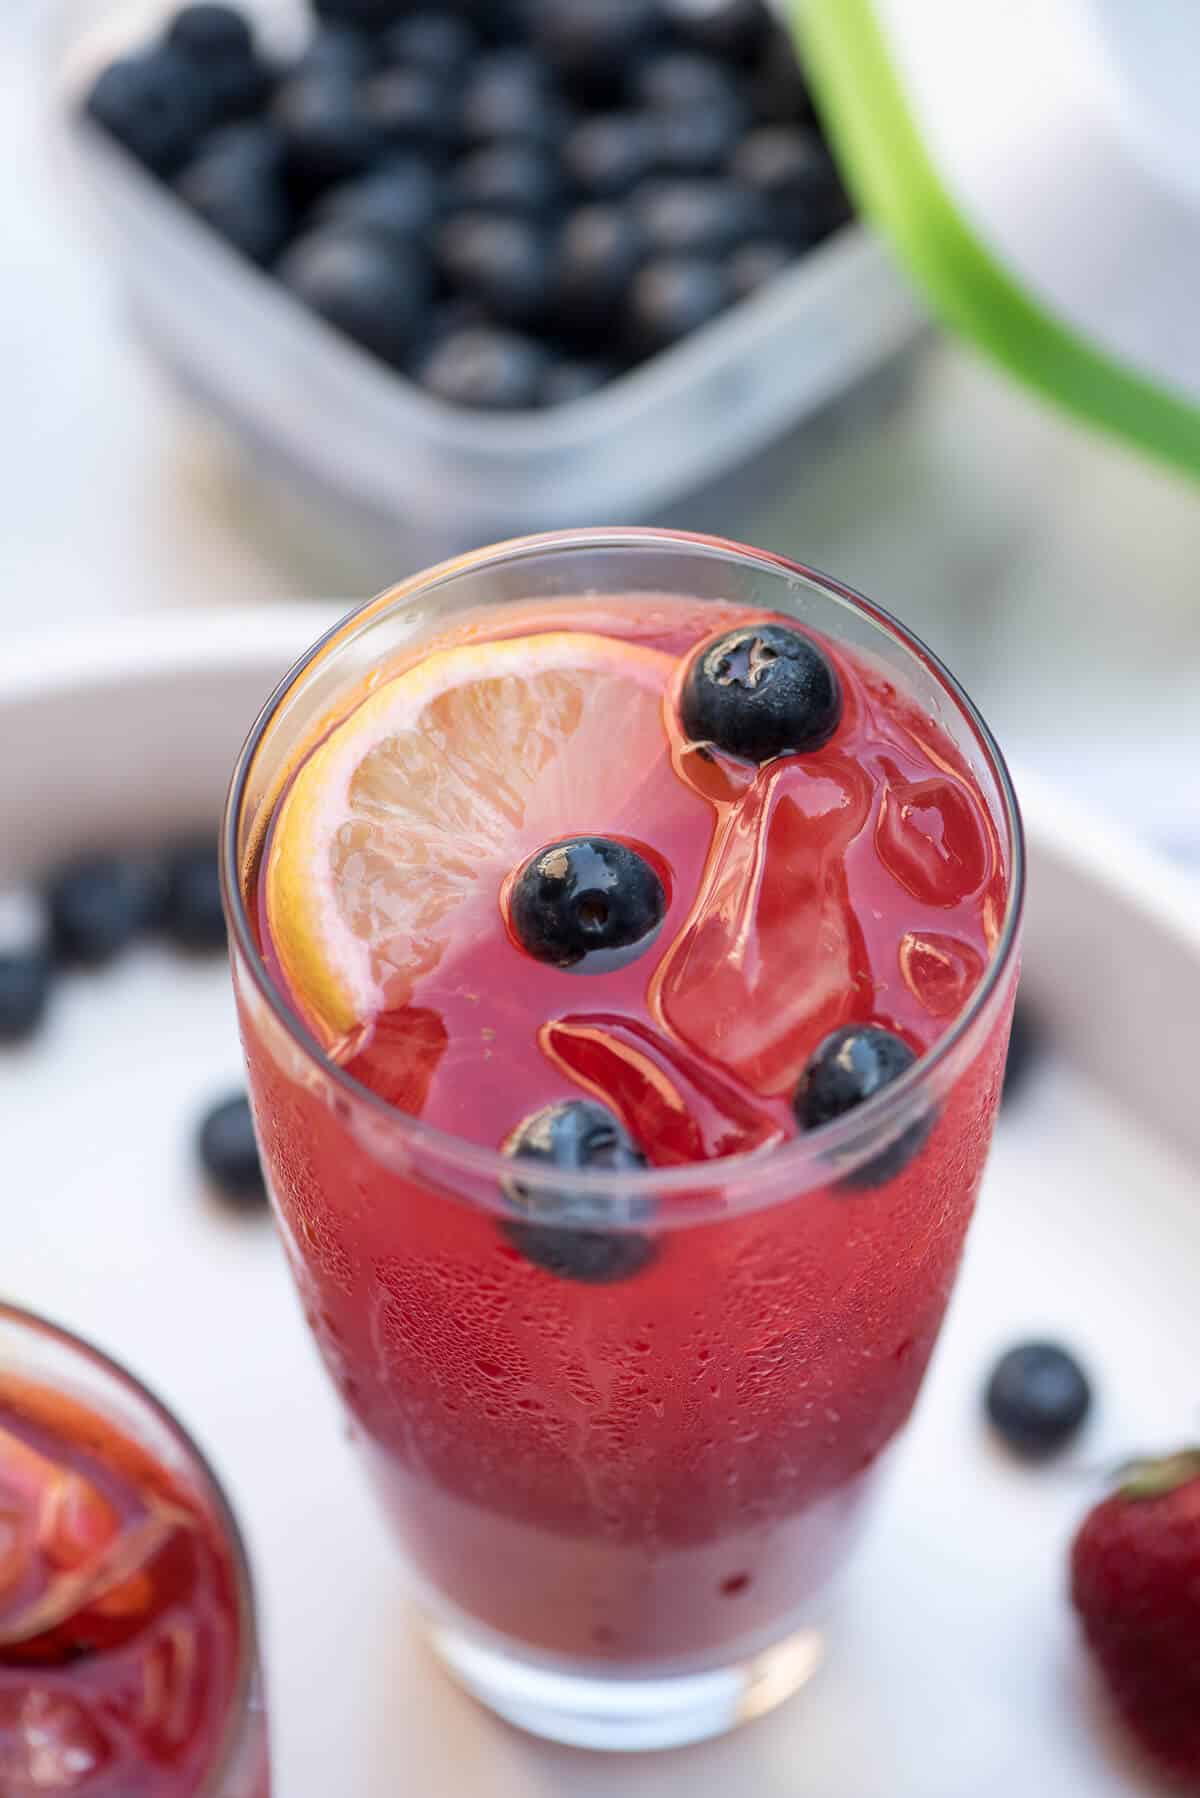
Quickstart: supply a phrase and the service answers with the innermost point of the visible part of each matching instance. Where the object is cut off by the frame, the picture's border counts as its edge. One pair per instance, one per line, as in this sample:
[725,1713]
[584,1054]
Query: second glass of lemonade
[625,935]
[128,1659]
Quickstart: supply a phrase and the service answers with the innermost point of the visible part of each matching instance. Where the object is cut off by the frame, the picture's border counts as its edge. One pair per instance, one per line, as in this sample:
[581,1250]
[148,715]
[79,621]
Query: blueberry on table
[588,903]
[26,970]
[412,107]
[154,105]
[759,691]
[98,906]
[236,185]
[672,296]
[502,261]
[25,982]
[374,288]
[699,217]
[849,1067]
[1037,1398]
[600,251]
[756,265]
[573,1135]
[566,380]
[789,169]
[510,94]
[218,42]
[482,368]
[193,916]
[608,154]
[1024,1049]
[228,1152]
[437,41]
[398,199]
[518,178]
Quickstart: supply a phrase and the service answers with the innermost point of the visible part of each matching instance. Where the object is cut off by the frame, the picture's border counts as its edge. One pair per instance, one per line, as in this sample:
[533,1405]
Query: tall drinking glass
[128,1660]
[619,1499]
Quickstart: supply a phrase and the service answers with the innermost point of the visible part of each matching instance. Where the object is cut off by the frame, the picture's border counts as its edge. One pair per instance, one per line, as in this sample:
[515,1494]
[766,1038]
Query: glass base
[628,1715]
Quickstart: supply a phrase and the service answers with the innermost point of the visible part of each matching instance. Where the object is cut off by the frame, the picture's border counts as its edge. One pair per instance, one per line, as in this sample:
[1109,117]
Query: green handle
[888,170]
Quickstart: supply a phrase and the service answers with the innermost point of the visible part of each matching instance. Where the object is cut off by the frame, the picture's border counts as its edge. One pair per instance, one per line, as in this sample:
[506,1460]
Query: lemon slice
[397,833]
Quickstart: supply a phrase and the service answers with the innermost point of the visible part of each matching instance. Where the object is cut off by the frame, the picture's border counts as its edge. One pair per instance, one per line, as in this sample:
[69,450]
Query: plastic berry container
[331,422]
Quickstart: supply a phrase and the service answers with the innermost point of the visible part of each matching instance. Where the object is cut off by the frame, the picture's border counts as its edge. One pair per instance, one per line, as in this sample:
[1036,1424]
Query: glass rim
[819,1147]
[234,1732]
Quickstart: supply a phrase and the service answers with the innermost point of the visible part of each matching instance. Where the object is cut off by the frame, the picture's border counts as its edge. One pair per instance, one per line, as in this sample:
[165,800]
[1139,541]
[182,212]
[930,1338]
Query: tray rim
[134,652]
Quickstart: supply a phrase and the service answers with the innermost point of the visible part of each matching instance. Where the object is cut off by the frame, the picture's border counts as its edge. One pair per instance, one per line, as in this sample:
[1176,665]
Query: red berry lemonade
[120,1628]
[648,894]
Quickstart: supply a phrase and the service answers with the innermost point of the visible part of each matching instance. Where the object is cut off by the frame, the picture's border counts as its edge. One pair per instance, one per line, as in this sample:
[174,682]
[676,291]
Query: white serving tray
[952,1670]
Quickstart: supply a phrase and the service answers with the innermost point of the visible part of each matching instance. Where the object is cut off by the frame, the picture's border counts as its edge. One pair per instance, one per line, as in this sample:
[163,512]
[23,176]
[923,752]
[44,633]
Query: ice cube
[398,1054]
[765,965]
[49,1742]
[940,971]
[664,1095]
[930,835]
[172,1685]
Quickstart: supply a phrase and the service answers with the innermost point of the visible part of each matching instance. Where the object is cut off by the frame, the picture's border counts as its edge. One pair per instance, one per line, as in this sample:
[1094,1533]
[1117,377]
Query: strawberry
[1135,1583]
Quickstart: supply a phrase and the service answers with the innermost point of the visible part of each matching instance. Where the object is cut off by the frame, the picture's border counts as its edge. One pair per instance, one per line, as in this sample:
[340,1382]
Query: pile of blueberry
[509,201]
[87,914]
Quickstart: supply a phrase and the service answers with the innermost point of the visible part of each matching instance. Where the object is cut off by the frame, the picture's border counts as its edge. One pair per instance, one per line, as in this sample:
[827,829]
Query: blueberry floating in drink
[848,1068]
[572,1135]
[101,904]
[588,902]
[761,691]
